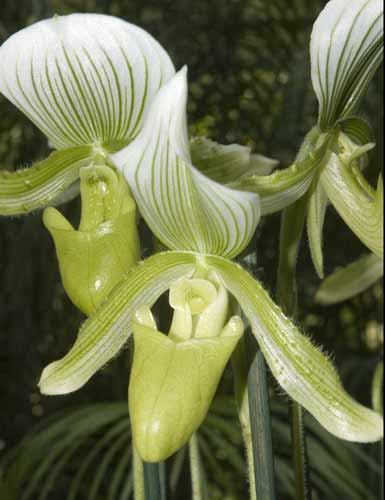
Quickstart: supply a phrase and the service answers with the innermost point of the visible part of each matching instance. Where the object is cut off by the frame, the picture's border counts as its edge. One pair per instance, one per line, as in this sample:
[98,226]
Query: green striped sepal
[185,209]
[83,78]
[300,368]
[346,49]
[36,187]
[351,280]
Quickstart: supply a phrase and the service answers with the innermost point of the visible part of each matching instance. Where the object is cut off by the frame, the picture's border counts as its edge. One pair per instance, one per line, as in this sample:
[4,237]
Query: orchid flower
[346,50]
[204,223]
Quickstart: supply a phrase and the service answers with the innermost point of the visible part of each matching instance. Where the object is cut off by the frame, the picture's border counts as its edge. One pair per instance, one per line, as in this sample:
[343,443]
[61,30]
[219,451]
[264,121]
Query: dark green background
[249,83]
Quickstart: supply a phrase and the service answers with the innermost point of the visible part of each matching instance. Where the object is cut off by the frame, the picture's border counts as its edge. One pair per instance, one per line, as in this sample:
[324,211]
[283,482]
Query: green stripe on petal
[318,202]
[351,280]
[357,203]
[346,49]
[83,78]
[300,368]
[103,336]
[43,183]
[184,209]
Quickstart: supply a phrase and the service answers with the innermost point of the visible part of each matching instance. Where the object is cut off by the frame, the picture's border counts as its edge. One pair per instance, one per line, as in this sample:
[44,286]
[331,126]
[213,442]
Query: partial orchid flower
[117,97]
[346,50]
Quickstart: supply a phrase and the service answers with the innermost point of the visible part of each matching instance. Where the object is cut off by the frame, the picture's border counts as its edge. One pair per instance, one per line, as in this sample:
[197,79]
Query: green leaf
[184,209]
[103,336]
[357,203]
[318,202]
[83,78]
[284,187]
[351,280]
[38,186]
[228,164]
[301,369]
[346,50]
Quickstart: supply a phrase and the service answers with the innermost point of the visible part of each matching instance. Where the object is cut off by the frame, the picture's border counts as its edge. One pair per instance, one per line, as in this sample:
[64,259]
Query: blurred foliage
[249,83]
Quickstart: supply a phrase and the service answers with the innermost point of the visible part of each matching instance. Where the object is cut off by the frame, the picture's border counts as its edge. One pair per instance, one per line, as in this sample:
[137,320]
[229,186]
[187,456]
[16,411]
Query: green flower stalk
[94,258]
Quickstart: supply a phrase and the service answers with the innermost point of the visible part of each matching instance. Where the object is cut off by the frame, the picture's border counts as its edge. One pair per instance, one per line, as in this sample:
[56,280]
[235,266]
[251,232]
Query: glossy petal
[183,208]
[350,280]
[357,203]
[40,185]
[94,259]
[83,78]
[102,336]
[346,50]
[301,369]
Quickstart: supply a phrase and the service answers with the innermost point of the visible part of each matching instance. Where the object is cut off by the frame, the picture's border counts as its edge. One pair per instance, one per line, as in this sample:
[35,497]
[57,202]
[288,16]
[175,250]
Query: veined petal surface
[23,191]
[346,49]
[105,333]
[83,78]
[184,209]
[300,368]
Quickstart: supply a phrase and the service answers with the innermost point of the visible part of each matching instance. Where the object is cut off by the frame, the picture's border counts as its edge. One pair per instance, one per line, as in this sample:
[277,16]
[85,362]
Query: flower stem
[139,493]
[292,223]
[195,469]
[155,481]
[260,425]
[240,371]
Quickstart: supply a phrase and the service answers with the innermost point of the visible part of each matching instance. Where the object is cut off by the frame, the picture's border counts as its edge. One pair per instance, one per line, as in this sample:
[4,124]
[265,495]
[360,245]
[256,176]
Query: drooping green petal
[83,78]
[350,280]
[40,185]
[300,368]
[102,336]
[228,164]
[284,187]
[346,49]
[318,202]
[183,208]
[357,203]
